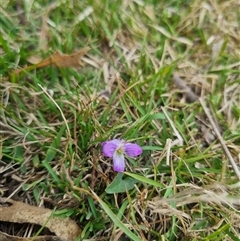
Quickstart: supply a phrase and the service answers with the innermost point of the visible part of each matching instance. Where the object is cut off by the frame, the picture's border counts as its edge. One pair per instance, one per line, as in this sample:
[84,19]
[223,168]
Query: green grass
[53,120]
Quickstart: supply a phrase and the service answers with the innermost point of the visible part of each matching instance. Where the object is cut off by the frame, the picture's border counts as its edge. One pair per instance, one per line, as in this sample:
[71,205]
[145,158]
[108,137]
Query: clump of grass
[53,119]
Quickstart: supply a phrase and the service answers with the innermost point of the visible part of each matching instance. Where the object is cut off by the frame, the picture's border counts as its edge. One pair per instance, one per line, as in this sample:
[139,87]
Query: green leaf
[116,220]
[145,180]
[152,148]
[52,151]
[121,185]
[19,153]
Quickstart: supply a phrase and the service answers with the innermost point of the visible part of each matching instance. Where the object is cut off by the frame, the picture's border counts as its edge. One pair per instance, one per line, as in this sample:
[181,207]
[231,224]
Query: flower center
[120,150]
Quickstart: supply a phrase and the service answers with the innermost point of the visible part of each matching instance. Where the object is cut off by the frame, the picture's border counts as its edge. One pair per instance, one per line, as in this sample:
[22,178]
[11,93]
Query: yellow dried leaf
[57,59]
[19,212]
[64,60]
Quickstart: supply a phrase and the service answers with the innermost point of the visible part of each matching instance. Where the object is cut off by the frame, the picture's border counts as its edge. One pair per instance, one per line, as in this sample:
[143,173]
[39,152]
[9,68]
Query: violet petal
[118,163]
[132,150]
[109,149]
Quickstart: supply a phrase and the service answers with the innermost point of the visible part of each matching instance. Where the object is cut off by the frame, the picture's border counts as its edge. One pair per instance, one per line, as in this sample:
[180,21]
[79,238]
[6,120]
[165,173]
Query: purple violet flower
[116,149]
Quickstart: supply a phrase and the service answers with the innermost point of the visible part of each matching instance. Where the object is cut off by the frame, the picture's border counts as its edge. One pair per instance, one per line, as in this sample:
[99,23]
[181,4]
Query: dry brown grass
[126,81]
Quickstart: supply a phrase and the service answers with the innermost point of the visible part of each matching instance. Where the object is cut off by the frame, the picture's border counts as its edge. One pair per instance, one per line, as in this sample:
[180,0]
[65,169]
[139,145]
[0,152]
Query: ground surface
[147,64]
